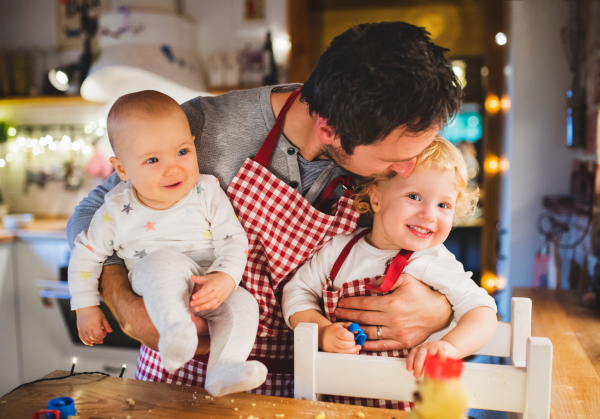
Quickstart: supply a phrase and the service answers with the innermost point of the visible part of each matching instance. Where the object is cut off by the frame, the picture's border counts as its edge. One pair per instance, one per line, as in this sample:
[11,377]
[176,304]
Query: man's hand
[407,317]
[215,288]
[336,338]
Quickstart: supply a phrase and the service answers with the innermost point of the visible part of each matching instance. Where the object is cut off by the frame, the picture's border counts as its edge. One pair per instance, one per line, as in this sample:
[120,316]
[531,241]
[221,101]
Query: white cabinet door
[10,376]
[46,344]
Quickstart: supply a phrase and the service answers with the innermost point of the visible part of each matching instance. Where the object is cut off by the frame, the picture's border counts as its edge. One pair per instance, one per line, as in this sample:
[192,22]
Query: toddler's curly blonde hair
[439,155]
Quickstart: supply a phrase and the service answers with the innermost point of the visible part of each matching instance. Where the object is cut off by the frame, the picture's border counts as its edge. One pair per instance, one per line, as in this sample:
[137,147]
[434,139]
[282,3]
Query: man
[377,98]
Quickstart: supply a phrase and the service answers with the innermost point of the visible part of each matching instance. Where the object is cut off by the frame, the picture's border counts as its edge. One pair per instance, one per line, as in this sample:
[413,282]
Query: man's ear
[119,168]
[325,133]
[375,198]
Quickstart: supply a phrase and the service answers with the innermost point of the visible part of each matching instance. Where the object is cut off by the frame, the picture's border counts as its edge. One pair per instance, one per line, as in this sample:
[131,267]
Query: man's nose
[405,168]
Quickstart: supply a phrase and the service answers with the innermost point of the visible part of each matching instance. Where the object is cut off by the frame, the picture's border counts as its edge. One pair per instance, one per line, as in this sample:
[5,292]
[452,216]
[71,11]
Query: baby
[412,217]
[174,228]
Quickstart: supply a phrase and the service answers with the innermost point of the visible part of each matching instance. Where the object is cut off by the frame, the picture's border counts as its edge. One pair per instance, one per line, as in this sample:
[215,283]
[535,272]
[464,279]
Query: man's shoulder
[233,102]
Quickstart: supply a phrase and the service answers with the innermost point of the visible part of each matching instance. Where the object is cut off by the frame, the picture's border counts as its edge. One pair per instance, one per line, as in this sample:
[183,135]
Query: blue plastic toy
[65,405]
[359,337]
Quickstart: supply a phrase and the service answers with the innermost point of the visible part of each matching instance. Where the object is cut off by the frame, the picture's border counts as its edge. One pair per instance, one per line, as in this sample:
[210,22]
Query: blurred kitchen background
[528,129]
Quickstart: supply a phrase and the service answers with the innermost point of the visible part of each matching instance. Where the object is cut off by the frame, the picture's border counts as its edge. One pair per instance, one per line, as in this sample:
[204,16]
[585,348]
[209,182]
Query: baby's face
[415,213]
[159,157]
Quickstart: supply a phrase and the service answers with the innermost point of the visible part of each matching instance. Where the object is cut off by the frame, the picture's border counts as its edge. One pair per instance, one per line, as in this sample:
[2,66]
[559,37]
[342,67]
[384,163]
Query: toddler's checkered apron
[356,288]
[283,231]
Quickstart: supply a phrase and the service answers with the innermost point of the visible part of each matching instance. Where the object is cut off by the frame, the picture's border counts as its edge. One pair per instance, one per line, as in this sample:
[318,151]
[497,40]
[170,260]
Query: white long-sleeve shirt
[436,267]
[202,225]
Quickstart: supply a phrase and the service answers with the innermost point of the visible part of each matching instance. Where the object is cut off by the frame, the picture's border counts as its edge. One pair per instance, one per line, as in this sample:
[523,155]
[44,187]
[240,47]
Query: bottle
[270,73]
[442,394]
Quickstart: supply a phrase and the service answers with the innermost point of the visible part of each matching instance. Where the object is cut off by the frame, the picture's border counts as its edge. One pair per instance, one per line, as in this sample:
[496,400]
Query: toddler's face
[159,157]
[414,213]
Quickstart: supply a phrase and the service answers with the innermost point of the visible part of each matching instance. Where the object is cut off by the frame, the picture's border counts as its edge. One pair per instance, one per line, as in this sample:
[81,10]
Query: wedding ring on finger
[379,336]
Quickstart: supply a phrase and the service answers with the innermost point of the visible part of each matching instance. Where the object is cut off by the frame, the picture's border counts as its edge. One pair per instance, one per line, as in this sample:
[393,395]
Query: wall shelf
[40,101]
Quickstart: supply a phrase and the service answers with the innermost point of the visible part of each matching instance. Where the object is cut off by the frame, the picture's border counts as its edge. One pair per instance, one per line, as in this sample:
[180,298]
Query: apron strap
[392,272]
[342,256]
[347,182]
[263,157]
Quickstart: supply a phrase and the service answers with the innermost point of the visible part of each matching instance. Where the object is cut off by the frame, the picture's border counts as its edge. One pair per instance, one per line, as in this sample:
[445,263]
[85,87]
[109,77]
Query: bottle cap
[65,405]
[439,369]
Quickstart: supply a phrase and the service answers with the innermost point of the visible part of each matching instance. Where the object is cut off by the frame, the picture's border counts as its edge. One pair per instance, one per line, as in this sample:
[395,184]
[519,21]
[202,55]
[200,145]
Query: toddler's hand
[92,325]
[337,338]
[215,288]
[416,358]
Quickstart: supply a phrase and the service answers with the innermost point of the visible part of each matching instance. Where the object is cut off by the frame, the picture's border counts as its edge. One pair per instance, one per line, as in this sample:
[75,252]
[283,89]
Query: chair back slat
[523,388]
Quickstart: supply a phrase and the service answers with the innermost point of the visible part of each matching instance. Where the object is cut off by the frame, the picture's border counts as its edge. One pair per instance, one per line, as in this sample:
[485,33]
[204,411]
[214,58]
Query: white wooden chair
[523,387]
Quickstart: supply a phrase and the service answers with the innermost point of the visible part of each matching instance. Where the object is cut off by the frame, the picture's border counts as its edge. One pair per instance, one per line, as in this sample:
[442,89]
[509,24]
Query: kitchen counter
[98,397]
[40,227]
[575,334]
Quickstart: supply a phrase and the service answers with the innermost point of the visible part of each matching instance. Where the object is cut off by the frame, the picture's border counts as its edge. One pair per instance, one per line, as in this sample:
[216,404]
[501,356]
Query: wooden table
[100,397]
[575,334]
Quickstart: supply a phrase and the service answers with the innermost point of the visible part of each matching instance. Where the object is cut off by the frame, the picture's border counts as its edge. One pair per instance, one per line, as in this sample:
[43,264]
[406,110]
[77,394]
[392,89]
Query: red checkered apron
[356,288]
[283,231]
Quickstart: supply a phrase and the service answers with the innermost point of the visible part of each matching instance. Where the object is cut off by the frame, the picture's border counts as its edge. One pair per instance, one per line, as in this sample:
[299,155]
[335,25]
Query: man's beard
[342,159]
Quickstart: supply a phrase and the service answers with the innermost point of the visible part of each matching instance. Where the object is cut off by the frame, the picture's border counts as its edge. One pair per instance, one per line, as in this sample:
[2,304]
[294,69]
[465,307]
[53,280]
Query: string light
[501,38]
[2,163]
[505,103]
[491,164]
[492,104]
[73,366]
[43,143]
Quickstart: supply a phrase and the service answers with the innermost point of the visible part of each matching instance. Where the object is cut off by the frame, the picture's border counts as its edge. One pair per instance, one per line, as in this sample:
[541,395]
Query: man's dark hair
[377,76]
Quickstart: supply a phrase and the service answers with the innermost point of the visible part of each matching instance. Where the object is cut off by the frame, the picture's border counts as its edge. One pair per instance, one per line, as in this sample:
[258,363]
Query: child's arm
[302,296]
[231,247]
[92,325]
[91,249]
[333,337]
[474,329]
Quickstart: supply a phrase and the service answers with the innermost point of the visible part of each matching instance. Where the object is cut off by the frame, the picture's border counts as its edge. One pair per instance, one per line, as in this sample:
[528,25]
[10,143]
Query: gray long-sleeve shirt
[228,129]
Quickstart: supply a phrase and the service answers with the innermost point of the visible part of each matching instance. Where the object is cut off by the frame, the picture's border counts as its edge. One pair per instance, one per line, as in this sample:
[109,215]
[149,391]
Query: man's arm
[407,317]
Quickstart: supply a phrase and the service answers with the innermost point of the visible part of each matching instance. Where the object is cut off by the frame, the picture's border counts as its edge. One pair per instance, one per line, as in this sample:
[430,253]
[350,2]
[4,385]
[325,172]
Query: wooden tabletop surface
[100,397]
[574,331]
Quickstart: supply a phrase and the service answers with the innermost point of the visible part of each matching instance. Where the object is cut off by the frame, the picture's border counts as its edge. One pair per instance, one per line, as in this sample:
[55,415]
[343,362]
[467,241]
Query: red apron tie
[392,272]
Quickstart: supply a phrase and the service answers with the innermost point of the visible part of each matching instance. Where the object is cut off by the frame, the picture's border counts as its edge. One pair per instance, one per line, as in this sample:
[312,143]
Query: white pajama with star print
[162,249]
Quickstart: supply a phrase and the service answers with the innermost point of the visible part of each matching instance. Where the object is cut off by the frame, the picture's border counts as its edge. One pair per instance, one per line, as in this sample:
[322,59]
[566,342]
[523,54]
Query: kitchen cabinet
[34,337]
[9,349]
[46,343]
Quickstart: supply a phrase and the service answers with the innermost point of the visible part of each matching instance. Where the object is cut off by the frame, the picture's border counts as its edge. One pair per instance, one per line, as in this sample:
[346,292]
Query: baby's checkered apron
[283,231]
[356,288]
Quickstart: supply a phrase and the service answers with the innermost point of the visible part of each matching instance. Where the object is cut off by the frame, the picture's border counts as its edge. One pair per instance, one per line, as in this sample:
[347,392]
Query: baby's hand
[337,338]
[92,325]
[215,288]
[416,358]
